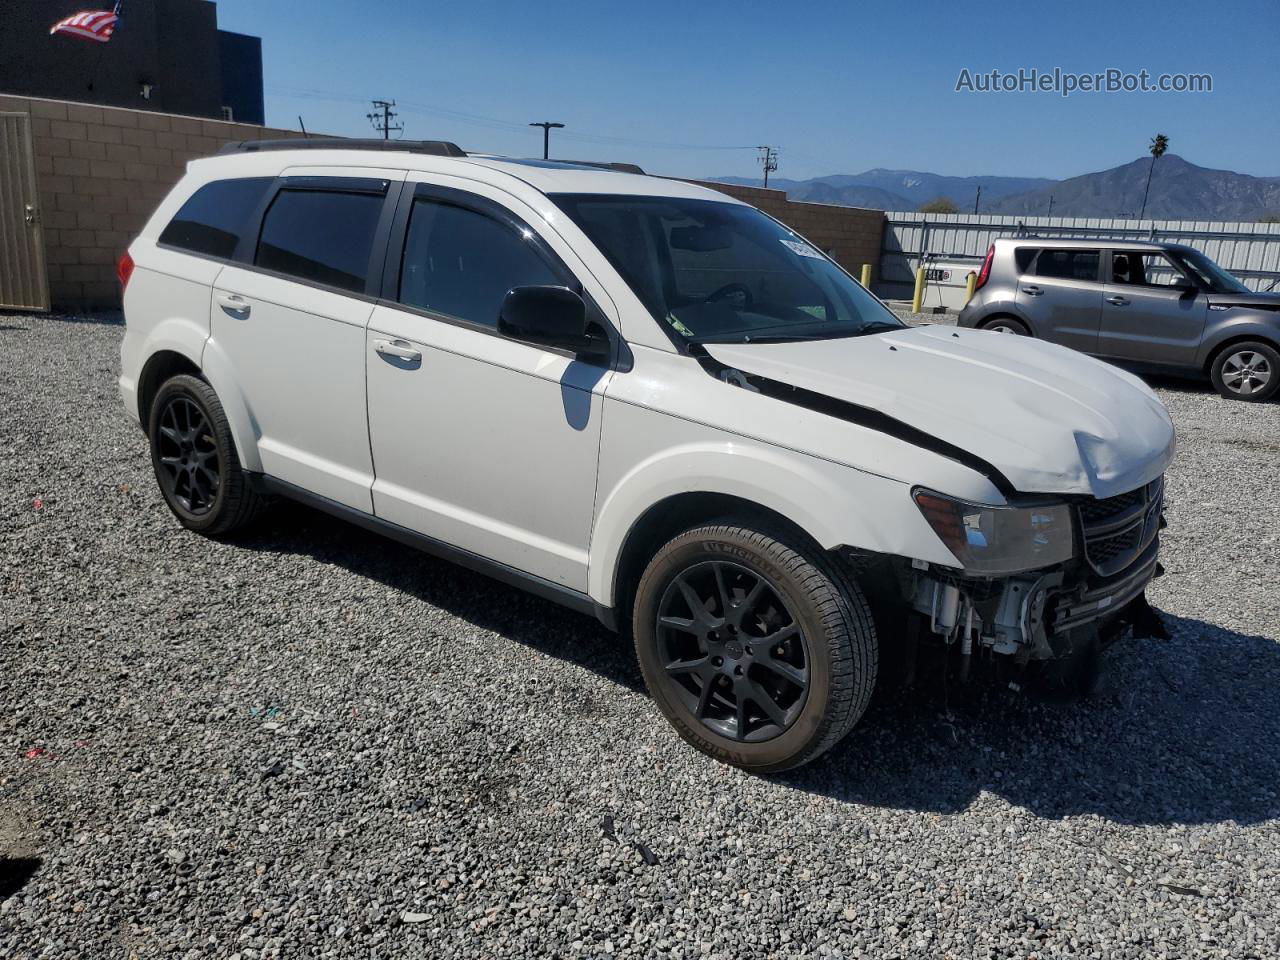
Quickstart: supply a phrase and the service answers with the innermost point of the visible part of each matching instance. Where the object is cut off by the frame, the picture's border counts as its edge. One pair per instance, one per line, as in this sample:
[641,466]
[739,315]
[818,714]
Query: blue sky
[690,88]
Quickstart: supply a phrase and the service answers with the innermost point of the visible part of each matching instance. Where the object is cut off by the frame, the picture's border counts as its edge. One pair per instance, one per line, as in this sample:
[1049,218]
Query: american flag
[92,24]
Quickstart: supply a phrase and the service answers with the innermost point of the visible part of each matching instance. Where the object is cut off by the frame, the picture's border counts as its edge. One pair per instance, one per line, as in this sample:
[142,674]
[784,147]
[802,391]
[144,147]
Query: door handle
[234,303]
[1032,290]
[1117,301]
[29,213]
[399,349]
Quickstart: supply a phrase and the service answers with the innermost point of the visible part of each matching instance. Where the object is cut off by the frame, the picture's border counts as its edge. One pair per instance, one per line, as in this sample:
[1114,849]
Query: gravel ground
[315,743]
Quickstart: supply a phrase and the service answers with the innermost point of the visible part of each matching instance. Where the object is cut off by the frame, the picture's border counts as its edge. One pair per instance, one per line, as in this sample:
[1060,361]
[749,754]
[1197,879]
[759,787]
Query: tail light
[985,272]
[124,270]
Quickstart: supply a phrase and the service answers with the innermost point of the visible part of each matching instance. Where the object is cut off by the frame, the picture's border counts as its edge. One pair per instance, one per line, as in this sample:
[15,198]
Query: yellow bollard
[866,275]
[969,283]
[918,296]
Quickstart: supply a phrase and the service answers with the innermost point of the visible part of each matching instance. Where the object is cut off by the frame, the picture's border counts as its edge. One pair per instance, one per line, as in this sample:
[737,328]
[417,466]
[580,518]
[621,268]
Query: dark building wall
[174,45]
[242,76]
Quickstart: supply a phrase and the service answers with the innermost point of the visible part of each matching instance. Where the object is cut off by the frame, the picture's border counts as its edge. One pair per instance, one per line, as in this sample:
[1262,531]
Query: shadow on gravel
[14,874]
[1182,731]
[4,327]
[106,319]
[483,601]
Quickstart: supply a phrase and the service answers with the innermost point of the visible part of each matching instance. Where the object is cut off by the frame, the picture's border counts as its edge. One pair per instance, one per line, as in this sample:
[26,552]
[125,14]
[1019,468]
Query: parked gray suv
[1161,306]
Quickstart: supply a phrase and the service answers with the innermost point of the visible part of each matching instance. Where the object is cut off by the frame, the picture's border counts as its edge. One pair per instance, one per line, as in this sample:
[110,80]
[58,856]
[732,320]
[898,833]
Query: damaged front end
[1104,553]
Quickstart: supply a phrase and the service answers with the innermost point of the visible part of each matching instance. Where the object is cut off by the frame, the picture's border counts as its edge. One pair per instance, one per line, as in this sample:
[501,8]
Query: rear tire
[753,646]
[1248,371]
[1006,325]
[194,458]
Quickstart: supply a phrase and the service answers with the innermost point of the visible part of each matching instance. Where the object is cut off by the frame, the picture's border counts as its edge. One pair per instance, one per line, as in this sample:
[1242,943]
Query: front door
[480,441]
[23,284]
[1061,295]
[1151,311]
[292,320]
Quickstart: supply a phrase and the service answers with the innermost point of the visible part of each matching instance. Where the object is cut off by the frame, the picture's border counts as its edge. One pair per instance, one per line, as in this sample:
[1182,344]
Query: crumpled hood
[1051,420]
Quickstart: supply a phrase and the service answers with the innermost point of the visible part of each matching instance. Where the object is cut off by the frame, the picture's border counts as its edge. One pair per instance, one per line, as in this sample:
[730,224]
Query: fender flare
[833,504]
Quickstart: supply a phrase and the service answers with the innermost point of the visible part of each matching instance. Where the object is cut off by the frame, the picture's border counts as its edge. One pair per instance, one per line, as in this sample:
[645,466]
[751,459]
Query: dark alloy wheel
[753,644]
[187,454]
[194,457]
[736,655]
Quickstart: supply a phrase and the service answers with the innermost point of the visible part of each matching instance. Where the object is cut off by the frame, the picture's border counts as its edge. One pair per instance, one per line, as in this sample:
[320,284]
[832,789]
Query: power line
[547,126]
[511,126]
[382,116]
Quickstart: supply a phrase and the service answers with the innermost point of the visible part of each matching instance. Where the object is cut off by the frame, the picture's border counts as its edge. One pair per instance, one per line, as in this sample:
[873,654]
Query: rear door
[480,441]
[291,315]
[1152,312]
[1061,294]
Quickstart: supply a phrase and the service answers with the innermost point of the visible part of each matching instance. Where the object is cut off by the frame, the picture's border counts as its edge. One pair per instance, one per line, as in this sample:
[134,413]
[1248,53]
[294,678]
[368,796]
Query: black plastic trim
[529,582]
[435,148]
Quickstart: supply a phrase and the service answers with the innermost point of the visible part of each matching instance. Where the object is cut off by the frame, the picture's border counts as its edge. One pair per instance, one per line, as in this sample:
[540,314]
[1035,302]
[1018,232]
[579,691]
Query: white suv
[647,401]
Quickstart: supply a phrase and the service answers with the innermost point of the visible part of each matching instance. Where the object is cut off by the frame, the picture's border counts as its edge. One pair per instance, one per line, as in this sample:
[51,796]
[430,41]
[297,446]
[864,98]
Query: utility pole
[1050,205]
[382,116]
[769,160]
[547,127]
[977,198]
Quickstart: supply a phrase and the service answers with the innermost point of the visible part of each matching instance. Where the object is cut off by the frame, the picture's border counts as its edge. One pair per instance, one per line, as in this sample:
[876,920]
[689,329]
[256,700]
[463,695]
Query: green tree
[939,205]
[1159,144]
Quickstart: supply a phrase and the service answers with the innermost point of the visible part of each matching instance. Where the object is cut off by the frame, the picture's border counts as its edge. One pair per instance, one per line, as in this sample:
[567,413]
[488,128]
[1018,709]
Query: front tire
[1007,325]
[753,646]
[1248,371]
[194,458]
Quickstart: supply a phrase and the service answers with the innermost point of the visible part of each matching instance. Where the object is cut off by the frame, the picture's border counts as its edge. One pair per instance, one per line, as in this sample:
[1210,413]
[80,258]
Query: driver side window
[461,263]
[1144,270]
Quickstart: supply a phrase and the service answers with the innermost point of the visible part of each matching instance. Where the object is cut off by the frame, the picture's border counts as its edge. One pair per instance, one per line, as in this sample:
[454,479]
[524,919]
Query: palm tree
[1159,144]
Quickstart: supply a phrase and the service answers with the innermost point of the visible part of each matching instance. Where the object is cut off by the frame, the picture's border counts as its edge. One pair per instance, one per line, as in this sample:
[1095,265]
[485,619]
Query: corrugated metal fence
[1251,251]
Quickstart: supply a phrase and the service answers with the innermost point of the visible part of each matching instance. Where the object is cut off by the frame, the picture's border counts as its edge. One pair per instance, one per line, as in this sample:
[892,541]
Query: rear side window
[212,221]
[1023,257]
[320,235]
[1068,264]
[462,263]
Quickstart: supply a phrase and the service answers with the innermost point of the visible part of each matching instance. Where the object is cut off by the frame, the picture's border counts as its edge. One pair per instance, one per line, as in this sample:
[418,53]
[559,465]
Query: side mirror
[1186,287]
[551,317]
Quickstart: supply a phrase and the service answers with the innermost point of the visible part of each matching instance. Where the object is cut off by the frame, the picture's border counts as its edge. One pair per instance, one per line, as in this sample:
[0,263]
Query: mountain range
[1179,190]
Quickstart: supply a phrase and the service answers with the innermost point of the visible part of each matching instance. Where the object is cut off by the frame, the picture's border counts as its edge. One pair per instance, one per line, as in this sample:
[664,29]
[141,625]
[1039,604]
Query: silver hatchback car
[1160,306]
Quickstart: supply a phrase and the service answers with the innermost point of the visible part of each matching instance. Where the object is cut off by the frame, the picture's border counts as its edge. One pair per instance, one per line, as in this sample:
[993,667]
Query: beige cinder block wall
[849,235]
[101,172]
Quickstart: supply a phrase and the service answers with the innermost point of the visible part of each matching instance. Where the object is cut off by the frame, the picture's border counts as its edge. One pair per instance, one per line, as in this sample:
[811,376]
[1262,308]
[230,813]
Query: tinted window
[1144,269]
[212,221]
[1068,264]
[320,235]
[1023,257]
[462,263]
[725,272]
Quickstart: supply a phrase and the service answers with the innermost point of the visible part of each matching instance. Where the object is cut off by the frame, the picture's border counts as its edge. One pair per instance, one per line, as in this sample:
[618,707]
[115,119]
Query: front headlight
[991,541]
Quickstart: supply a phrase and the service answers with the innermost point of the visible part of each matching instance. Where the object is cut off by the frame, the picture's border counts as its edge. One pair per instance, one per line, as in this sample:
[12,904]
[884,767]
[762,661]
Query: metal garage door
[23,282]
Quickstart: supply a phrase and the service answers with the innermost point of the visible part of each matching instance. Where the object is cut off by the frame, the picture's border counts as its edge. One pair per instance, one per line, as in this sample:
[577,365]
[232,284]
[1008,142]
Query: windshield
[1210,274]
[724,272]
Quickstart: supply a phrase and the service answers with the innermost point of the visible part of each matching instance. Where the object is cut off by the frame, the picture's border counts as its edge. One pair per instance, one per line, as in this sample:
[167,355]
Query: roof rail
[436,148]
[620,167]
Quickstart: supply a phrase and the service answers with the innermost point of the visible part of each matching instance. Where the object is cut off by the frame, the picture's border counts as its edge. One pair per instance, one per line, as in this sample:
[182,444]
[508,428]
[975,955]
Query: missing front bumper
[1037,616]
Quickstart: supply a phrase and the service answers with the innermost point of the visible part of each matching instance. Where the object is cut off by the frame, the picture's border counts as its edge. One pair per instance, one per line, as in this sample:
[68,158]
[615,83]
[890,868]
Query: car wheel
[195,460]
[1007,325]
[753,646]
[1247,371]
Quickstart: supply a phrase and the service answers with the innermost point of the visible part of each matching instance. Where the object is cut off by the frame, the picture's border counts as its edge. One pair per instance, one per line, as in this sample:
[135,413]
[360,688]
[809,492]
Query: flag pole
[97,62]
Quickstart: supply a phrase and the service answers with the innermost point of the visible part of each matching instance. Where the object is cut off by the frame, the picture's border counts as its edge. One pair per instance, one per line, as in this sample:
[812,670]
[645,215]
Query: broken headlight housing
[993,541]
